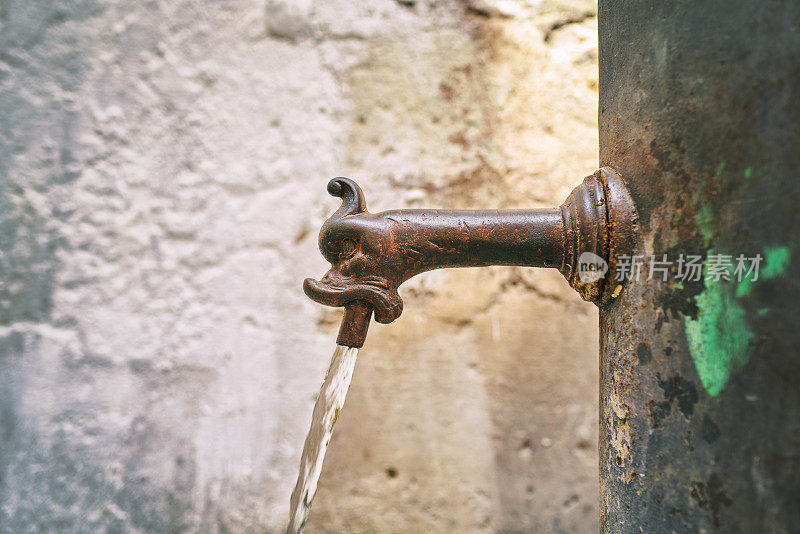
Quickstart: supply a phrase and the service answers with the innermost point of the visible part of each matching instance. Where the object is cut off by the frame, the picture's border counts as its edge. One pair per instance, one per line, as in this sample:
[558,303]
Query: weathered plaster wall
[163,174]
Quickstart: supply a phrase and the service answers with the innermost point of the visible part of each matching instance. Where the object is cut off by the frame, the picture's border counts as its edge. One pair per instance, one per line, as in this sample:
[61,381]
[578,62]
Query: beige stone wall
[163,179]
[476,410]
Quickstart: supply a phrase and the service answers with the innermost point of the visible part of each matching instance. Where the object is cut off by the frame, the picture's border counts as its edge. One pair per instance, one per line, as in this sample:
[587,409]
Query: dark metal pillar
[700,380]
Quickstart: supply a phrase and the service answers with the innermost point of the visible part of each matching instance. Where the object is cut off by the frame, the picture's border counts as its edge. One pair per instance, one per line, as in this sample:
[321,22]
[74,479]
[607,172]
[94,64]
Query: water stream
[326,411]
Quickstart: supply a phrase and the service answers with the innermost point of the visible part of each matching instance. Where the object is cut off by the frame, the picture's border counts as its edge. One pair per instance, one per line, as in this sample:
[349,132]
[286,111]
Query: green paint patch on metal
[704,220]
[776,261]
[720,339]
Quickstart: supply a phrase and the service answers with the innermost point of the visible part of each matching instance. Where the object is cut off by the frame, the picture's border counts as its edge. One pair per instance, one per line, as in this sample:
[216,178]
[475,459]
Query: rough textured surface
[163,178]
[700,407]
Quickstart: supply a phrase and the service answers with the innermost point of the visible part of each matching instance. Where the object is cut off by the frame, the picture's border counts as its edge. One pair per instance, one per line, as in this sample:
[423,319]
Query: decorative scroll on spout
[371,254]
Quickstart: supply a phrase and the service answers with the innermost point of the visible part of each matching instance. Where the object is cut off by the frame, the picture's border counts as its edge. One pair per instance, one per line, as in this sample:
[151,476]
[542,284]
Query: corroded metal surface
[700,405]
[355,323]
[599,217]
[372,254]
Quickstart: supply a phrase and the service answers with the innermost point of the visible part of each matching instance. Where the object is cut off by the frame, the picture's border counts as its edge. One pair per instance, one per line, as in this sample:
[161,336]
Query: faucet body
[372,254]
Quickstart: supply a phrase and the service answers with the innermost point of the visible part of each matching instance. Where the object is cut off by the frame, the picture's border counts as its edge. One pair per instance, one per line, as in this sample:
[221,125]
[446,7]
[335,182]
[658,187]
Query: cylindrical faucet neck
[433,239]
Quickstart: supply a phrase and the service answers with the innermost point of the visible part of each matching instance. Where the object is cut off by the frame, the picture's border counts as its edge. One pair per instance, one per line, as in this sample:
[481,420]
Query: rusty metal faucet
[373,253]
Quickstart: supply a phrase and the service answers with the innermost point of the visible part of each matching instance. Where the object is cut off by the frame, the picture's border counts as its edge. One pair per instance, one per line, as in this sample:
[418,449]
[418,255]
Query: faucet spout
[372,254]
[355,323]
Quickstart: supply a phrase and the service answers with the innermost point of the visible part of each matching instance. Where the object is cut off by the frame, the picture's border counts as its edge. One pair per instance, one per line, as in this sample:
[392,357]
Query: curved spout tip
[334,290]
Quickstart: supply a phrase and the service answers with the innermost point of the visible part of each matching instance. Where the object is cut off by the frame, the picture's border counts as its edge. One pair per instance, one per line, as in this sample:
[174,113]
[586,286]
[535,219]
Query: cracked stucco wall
[163,170]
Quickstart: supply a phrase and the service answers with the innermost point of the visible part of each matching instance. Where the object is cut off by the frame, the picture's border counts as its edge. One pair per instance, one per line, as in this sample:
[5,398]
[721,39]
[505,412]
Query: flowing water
[326,411]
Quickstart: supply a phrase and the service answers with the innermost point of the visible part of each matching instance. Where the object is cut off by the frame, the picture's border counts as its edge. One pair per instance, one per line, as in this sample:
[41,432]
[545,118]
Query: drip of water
[326,411]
